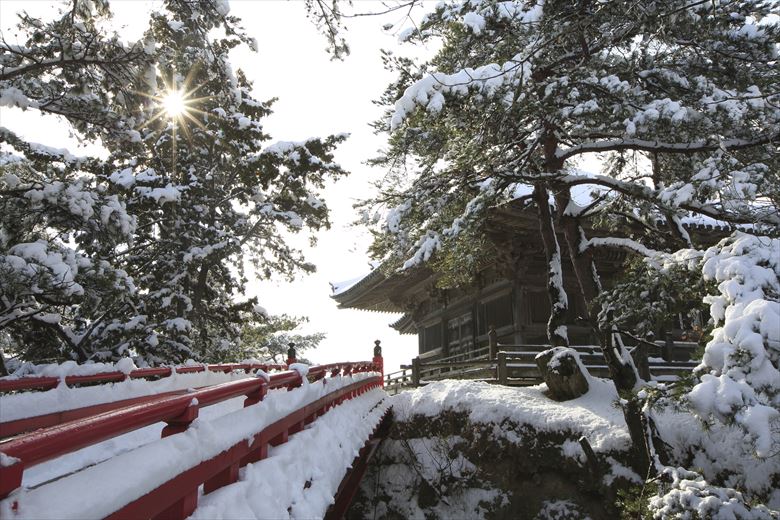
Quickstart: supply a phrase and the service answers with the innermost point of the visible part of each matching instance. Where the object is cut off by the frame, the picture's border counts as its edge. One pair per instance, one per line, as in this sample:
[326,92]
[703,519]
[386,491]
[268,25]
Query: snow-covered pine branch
[612,145]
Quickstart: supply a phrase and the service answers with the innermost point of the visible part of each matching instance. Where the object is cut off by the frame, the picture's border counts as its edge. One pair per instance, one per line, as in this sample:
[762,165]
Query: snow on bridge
[254,445]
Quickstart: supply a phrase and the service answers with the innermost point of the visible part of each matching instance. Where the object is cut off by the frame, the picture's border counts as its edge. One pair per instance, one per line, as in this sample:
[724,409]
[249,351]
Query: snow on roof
[342,287]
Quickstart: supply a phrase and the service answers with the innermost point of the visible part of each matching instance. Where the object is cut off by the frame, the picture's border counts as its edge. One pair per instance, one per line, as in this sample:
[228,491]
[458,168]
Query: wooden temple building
[510,294]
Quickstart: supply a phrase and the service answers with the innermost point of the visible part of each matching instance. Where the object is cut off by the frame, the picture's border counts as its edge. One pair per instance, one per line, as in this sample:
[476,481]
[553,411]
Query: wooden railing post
[501,368]
[291,354]
[11,477]
[642,365]
[668,350]
[378,360]
[258,395]
[492,343]
[416,371]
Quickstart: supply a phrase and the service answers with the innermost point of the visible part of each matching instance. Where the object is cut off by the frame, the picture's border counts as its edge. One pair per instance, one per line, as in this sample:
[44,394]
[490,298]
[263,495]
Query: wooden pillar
[182,422]
[186,505]
[668,350]
[501,369]
[225,477]
[257,395]
[445,338]
[416,371]
[11,477]
[492,343]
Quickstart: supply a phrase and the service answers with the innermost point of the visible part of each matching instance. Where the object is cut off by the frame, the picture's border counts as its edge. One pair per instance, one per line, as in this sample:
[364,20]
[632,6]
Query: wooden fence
[516,364]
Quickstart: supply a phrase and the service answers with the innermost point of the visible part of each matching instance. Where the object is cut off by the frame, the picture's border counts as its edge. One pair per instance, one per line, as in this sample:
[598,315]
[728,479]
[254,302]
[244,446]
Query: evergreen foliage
[271,340]
[145,252]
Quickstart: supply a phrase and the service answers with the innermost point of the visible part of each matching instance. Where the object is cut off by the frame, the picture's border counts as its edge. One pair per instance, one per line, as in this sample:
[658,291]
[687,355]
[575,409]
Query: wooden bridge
[34,440]
[516,364]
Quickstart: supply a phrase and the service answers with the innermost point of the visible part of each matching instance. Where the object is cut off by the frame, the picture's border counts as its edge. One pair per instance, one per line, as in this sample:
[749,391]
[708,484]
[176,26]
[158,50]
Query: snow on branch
[618,243]
[429,91]
[425,248]
[661,199]
[611,145]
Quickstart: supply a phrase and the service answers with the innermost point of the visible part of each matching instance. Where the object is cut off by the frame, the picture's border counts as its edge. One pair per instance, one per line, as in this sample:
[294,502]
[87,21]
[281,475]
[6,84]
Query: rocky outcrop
[450,467]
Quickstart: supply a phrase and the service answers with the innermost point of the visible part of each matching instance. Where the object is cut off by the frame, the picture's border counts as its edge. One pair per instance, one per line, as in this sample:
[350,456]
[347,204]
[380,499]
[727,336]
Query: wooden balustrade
[178,411]
[177,498]
[515,364]
[11,384]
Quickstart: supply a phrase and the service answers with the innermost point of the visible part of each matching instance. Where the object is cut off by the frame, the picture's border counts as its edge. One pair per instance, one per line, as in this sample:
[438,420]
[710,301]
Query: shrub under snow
[743,382]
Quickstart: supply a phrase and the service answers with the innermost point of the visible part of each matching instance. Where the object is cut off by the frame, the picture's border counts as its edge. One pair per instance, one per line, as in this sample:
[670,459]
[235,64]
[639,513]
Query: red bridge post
[379,361]
[291,354]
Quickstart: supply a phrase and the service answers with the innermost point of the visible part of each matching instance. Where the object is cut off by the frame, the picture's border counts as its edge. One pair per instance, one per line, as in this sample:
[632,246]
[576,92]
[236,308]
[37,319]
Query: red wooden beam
[15,427]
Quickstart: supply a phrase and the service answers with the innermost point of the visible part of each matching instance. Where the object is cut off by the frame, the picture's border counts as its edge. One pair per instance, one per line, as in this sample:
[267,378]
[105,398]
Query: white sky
[317,97]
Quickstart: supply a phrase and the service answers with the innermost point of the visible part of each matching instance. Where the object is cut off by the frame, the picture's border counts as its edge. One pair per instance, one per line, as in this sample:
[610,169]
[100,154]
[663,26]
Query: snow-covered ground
[593,415]
[469,449]
[122,469]
[721,452]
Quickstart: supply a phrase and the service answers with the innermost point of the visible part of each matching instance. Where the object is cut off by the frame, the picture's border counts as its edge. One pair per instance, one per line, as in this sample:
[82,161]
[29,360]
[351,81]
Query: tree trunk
[198,307]
[559,303]
[621,367]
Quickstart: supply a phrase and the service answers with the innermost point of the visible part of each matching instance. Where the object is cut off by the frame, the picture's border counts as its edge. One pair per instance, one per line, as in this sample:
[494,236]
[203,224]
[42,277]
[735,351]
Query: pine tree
[145,252]
[680,99]
[61,227]
[270,341]
[210,196]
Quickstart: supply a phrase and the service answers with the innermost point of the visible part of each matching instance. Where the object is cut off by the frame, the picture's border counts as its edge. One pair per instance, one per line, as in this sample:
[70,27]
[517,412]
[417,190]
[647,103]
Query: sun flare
[177,103]
[174,103]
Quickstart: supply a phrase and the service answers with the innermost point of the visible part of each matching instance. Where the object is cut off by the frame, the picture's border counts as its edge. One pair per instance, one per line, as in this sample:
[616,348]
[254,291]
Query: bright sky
[317,97]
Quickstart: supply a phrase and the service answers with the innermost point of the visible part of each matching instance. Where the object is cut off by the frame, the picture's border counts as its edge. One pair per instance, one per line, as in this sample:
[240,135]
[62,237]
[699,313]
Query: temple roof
[405,325]
[379,289]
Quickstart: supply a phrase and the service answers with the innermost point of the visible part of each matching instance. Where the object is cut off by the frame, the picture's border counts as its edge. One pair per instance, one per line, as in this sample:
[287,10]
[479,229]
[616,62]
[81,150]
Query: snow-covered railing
[42,417]
[515,364]
[177,498]
[11,383]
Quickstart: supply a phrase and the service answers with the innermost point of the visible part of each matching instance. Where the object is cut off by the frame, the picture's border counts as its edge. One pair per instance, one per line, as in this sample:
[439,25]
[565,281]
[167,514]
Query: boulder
[565,376]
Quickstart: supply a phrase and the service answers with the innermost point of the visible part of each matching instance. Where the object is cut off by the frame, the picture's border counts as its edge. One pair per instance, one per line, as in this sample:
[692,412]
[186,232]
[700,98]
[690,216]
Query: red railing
[178,411]
[46,383]
[25,424]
